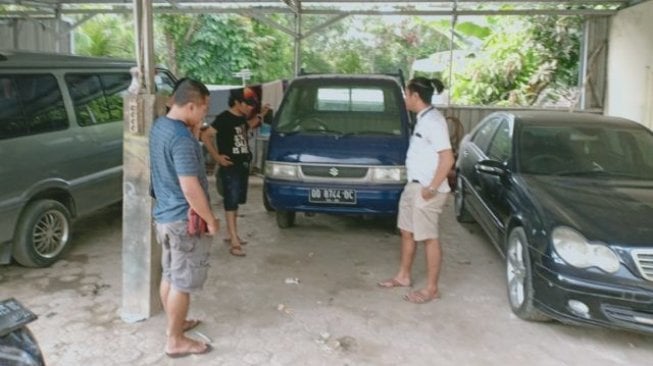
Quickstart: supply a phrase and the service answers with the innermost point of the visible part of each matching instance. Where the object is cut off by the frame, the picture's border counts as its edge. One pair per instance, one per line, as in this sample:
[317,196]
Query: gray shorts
[184,258]
[420,216]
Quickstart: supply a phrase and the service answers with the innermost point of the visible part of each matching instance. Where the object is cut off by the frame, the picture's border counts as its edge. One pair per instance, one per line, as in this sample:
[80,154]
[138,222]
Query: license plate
[332,195]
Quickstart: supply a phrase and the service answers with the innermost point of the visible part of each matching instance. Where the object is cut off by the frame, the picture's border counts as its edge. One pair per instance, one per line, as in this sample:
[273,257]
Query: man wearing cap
[226,141]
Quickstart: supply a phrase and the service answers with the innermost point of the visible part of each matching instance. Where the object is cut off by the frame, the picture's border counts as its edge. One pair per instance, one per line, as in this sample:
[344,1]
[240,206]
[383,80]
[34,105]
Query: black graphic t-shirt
[231,138]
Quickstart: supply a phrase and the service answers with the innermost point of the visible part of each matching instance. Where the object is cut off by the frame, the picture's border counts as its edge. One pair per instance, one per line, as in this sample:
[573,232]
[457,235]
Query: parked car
[567,198]
[61,137]
[337,145]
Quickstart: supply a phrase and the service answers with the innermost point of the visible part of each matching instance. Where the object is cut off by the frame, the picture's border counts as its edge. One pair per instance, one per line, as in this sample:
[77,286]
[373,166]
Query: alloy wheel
[516,272]
[50,234]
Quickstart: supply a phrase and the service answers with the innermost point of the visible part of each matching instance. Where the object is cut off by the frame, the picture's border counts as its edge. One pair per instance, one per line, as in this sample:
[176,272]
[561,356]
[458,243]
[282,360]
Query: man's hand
[264,110]
[213,226]
[427,194]
[224,160]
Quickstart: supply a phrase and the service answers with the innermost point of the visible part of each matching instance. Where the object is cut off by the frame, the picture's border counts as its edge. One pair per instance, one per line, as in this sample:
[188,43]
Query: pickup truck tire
[285,219]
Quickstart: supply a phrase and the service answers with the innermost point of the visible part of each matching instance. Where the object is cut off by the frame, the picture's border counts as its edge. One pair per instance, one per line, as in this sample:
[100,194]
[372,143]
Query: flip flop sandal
[185,354]
[242,242]
[392,283]
[237,252]
[417,297]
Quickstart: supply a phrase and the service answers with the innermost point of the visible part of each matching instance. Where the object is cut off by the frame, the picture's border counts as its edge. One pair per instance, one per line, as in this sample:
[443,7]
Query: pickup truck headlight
[282,171]
[574,249]
[389,174]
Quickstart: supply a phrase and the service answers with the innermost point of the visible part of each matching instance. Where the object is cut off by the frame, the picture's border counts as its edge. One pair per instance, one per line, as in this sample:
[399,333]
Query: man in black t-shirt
[226,141]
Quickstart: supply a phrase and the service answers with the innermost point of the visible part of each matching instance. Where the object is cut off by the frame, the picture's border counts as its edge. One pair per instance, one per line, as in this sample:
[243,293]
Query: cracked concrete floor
[334,315]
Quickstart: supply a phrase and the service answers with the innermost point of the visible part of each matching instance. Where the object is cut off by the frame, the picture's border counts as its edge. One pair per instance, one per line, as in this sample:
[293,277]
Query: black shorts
[234,180]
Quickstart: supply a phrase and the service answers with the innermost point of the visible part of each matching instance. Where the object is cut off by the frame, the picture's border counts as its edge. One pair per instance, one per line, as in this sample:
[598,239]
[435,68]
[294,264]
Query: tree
[212,47]
[520,60]
[397,47]
[106,35]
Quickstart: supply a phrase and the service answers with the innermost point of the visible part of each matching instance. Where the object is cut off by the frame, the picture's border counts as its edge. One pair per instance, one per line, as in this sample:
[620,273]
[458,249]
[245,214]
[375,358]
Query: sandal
[228,241]
[419,297]
[392,283]
[237,252]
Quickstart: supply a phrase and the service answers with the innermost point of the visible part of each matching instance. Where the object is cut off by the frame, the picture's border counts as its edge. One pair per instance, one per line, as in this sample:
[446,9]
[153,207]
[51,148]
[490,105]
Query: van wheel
[43,234]
[285,219]
[266,202]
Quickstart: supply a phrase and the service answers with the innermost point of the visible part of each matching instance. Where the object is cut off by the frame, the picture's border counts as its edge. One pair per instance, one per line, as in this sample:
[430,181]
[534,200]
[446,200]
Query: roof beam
[204,10]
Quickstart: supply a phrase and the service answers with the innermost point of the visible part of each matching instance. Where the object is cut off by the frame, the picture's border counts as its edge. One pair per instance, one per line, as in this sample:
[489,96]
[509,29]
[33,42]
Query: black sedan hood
[613,211]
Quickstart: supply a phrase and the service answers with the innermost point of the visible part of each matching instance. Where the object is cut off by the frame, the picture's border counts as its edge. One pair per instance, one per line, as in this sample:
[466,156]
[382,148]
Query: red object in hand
[196,224]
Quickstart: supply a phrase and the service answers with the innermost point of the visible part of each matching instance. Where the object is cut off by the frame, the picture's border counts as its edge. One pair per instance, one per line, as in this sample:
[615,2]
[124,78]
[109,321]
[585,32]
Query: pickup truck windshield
[345,107]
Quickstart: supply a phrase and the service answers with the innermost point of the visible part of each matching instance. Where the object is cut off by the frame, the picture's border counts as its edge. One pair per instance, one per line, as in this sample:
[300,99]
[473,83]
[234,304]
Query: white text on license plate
[332,195]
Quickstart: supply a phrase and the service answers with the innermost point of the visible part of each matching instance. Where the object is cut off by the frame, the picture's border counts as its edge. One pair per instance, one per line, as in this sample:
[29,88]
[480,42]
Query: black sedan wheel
[462,215]
[43,233]
[519,278]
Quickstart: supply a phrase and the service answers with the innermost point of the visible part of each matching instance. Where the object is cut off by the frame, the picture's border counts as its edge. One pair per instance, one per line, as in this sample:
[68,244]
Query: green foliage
[212,48]
[521,59]
[398,46]
[106,35]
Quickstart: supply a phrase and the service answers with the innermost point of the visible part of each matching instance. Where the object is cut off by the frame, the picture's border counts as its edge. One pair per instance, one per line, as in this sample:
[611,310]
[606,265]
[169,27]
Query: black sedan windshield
[586,151]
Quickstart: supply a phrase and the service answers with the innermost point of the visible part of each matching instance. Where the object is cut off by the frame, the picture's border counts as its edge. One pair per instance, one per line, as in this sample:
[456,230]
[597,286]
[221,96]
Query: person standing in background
[428,161]
[226,141]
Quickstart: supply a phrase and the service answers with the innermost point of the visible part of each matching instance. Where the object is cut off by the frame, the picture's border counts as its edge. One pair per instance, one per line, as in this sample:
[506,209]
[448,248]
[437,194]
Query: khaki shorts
[417,215]
[184,258]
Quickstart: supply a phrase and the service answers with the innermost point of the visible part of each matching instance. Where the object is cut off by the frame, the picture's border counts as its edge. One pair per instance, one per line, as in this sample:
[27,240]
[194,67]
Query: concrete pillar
[141,255]
[141,263]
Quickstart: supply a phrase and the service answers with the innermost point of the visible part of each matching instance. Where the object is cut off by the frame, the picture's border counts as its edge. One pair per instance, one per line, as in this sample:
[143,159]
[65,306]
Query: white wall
[33,35]
[630,65]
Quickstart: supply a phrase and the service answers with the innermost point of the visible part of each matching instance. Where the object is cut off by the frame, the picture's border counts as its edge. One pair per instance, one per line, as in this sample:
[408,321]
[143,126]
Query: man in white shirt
[428,161]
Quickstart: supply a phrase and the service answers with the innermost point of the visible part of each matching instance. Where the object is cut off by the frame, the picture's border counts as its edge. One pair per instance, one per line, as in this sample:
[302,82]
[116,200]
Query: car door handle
[465,153]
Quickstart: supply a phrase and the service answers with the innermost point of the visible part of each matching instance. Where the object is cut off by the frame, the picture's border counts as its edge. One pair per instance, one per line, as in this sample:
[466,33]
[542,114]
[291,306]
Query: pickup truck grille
[334,171]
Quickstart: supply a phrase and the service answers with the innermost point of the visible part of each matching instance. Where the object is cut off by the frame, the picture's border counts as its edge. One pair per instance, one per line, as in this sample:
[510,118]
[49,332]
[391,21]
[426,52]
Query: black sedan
[567,199]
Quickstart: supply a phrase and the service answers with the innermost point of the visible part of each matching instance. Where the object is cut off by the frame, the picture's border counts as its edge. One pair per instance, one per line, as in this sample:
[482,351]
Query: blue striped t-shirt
[174,152]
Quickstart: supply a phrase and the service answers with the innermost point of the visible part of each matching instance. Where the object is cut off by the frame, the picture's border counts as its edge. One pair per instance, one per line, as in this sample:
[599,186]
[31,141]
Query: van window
[29,105]
[97,98]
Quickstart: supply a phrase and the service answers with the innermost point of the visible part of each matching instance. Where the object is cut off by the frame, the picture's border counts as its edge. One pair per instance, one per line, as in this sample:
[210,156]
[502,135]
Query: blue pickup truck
[337,145]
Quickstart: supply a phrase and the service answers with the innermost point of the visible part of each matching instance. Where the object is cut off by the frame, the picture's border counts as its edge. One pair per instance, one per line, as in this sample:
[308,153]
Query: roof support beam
[324,25]
[204,10]
[267,21]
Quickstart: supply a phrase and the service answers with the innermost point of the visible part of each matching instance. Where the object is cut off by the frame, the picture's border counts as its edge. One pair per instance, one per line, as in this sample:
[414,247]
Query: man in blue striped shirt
[179,183]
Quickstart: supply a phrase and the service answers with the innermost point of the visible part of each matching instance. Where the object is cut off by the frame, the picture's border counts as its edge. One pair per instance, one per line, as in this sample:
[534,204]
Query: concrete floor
[335,315]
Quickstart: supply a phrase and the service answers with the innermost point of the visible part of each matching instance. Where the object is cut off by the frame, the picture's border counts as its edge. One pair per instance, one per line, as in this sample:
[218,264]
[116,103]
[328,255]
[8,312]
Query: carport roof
[45,8]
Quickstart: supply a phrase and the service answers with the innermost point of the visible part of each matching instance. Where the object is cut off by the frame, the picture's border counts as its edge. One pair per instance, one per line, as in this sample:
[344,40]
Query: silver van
[61,135]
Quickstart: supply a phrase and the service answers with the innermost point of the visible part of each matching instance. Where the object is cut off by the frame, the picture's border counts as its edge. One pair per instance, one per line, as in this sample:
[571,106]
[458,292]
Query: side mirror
[492,167]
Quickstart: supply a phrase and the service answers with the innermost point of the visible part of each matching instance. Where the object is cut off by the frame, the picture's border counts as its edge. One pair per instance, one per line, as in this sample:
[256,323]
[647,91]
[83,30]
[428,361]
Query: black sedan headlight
[578,252]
